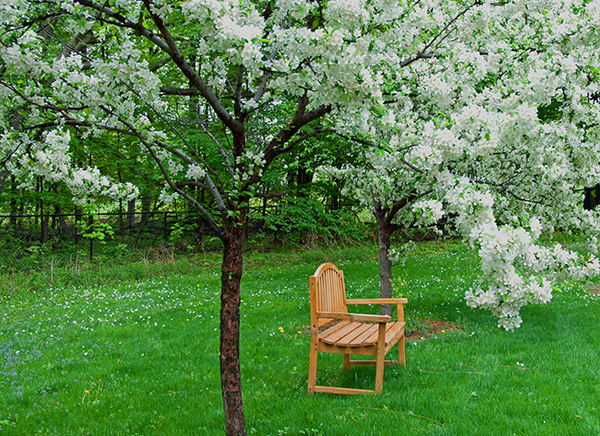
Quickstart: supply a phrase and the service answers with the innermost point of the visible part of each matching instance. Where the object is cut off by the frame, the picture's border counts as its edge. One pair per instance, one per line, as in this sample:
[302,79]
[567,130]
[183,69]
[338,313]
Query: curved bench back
[327,293]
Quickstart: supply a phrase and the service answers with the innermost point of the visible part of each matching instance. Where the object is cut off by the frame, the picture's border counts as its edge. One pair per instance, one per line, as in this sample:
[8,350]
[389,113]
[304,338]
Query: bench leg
[401,351]
[346,362]
[312,368]
[380,359]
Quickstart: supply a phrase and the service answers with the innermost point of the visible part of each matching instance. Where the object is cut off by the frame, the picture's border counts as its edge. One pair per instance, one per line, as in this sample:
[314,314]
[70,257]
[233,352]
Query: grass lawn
[140,357]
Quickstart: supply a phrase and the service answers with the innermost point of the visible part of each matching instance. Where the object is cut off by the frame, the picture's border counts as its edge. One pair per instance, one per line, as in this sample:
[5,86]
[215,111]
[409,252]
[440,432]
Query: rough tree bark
[385,229]
[130,222]
[231,275]
[384,216]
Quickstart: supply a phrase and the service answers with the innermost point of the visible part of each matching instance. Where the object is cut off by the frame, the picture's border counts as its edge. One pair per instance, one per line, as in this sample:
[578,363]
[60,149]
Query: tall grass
[139,354]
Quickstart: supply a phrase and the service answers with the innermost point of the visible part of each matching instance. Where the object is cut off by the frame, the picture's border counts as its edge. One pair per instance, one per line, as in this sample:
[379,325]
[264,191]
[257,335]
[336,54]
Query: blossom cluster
[50,159]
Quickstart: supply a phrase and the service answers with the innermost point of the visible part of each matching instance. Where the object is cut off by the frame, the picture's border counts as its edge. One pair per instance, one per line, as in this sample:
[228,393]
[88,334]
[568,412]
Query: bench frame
[328,302]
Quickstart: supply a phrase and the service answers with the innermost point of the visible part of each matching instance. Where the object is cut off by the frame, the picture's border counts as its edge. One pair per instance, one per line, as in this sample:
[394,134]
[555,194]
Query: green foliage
[305,217]
[98,230]
[186,226]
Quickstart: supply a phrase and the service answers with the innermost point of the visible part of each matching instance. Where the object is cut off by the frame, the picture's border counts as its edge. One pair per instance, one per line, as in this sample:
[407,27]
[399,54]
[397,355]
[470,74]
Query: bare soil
[594,290]
[428,328]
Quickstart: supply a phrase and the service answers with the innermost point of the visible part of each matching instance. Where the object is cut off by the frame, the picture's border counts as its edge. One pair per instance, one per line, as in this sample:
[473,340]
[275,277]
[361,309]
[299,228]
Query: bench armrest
[379,301]
[354,317]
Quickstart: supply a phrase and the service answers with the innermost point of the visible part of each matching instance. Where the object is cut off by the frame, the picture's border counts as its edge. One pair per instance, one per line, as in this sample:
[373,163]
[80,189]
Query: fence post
[91,230]
[165,225]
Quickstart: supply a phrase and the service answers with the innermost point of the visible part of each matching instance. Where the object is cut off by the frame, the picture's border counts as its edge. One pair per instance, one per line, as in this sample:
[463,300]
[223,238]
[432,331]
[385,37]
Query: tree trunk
[130,222]
[13,204]
[591,198]
[61,219]
[231,275]
[146,214]
[3,176]
[335,202]
[385,264]
[335,195]
[43,219]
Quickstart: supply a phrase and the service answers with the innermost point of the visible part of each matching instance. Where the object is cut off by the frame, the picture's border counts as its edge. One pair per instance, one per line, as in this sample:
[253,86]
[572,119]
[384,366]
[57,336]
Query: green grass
[146,352]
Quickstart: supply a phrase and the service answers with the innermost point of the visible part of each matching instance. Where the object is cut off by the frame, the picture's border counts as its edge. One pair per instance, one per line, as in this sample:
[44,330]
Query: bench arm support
[399,302]
[354,317]
[378,301]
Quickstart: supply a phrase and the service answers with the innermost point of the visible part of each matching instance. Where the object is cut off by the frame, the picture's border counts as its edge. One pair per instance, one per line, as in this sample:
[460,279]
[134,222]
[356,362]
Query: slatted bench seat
[371,335]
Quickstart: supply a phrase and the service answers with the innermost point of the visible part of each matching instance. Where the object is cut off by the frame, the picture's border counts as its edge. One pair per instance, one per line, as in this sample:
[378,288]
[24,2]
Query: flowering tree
[496,125]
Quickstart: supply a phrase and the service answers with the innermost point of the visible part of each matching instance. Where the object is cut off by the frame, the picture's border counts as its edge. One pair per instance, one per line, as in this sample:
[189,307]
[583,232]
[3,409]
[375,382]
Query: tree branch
[171,90]
[237,93]
[212,99]
[275,147]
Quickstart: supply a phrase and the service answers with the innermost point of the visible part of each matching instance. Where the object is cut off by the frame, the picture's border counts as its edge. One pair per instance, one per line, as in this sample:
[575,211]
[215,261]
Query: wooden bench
[370,335]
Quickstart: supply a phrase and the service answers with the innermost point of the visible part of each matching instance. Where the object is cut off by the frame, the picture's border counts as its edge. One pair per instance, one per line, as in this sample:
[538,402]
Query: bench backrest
[327,293]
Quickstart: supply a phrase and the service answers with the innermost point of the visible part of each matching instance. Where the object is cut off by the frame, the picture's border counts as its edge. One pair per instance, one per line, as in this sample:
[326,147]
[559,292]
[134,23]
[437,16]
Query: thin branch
[261,88]
[275,147]
[184,194]
[191,183]
[411,166]
[171,90]
[447,26]
[170,182]
[524,200]
[75,123]
[9,155]
[304,137]
[424,53]
[158,113]
[419,55]
[170,47]
[218,144]
[39,105]
[159,64]
[209,183]
[257,108]
[121,21]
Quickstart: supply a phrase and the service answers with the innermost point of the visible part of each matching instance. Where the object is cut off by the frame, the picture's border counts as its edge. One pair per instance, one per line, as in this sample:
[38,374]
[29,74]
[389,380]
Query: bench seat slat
[350,339]
[355,334]
[361,341]
[334,328]
[334,337]
[372,339]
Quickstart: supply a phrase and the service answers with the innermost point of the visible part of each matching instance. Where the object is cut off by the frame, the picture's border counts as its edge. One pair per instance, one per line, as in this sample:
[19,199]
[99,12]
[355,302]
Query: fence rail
[28,240]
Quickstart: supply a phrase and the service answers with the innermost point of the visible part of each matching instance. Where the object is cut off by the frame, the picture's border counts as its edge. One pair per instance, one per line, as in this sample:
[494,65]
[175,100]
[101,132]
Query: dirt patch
[594,290]
[424,329]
